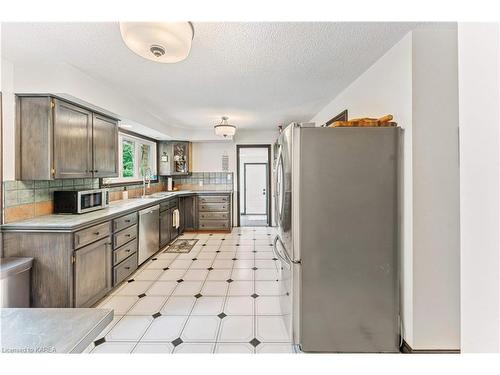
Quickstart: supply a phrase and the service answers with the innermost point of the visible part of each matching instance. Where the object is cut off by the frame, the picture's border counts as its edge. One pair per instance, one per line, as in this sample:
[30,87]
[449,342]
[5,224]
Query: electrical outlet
[200,183]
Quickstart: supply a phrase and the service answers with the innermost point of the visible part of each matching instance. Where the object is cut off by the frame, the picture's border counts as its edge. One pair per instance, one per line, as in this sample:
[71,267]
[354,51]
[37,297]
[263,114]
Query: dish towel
[177,219]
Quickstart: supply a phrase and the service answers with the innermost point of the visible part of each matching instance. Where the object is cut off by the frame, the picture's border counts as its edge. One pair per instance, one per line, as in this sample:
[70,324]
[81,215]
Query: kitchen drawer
[92,234]
[124,269]
[214,199]
[213,224]
[213,215]
[171,203]
[124,221]
[124,252]
[124,236]
[213,207]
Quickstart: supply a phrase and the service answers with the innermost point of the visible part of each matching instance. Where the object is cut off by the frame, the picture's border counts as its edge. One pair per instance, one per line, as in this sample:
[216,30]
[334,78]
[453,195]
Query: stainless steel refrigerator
[337,208]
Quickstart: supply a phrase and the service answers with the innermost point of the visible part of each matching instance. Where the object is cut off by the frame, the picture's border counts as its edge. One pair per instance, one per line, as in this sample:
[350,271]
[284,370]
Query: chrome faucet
[146,178]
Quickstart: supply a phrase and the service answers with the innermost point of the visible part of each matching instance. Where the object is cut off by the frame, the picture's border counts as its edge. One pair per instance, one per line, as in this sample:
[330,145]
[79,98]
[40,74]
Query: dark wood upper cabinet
[56,139]
[104,139]
[72,141]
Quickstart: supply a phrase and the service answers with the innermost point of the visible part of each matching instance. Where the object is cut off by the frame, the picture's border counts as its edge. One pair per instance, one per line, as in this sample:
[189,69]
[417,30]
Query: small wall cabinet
[56,139]
[174,158]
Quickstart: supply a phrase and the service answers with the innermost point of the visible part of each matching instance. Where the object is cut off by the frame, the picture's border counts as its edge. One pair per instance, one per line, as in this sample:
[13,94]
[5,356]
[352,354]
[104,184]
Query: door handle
[263,191]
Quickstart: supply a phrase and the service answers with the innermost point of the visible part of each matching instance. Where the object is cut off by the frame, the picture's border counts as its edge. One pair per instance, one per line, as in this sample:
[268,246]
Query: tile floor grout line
[168,297]
[255,299]
[224,304]
[164,303]
[188,316]
[226,295]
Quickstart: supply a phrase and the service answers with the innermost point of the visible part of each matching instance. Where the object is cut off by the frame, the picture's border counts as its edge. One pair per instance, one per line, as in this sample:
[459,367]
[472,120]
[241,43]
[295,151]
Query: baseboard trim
[407,349]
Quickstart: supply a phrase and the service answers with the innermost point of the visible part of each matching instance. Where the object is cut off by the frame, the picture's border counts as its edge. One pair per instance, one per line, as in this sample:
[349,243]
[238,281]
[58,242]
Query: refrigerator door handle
[284,256]
[275,249]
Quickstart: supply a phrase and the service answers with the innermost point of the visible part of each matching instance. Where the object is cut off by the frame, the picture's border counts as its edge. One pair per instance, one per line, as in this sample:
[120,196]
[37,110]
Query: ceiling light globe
[163,42]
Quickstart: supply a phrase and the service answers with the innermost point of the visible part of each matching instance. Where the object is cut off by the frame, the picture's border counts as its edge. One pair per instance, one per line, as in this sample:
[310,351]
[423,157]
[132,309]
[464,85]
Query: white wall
[386,88]
[436,200]
[479,77]
[416,81]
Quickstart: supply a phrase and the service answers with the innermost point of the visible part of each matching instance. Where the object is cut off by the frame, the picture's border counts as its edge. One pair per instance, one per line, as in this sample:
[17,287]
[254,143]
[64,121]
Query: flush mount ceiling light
[224,128]
[163,42]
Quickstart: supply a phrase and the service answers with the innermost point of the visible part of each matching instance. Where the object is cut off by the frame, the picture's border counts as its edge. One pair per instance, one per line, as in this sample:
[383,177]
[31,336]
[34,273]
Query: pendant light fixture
[224,128]
[163,42]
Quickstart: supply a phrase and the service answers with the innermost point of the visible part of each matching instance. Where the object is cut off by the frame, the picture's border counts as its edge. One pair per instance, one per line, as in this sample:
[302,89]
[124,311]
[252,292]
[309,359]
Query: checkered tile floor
[221,297]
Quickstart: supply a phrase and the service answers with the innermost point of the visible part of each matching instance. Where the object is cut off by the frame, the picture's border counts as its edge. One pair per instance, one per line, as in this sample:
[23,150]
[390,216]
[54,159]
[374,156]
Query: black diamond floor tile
[102,340]
[255,295]
[180,281]
[229,280]
[142,295]
[198,295]
[131,281]
[254,342]
[222,315]
[177,341]
[156,315]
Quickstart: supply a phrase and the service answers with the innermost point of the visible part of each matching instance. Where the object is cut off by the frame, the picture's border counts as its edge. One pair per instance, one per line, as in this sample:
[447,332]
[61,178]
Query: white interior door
[256,189]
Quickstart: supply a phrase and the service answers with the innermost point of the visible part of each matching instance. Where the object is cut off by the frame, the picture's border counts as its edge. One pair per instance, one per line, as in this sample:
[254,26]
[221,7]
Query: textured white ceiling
[258,74]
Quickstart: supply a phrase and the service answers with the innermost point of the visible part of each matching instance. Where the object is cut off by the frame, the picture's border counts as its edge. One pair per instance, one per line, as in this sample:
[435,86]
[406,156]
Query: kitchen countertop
[51,330]
[69,223]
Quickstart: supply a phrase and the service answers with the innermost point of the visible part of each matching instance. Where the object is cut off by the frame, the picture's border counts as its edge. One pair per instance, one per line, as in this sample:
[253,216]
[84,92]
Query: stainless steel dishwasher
[149,232]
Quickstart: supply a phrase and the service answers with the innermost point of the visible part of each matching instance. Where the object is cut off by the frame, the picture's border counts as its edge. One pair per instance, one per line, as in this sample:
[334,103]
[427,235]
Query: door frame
[245,185]
[268,147]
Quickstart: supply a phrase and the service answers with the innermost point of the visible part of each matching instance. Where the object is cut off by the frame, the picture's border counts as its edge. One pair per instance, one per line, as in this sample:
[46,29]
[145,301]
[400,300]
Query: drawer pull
[127,268]
[128,235]
[127,221]
[97,233]
[128,250]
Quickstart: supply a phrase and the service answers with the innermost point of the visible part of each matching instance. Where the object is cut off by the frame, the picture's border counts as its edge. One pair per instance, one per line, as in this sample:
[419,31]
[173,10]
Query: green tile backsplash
[208,178]
[24,192]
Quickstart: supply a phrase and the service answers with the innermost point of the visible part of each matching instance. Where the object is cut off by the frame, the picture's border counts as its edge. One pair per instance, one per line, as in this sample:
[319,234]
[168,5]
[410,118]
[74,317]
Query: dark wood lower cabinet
[78,268]
[165,224]
[92,272]
[189,214]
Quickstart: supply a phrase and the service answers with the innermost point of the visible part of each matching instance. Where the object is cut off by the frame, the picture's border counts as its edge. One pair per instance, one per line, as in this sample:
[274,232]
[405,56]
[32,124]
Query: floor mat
[181,245]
